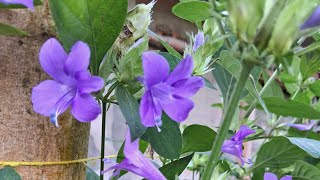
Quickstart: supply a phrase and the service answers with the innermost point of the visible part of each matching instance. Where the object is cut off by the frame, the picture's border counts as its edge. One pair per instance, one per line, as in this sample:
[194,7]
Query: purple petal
[150,110]
[52,58]
[163,92]
[178,109]
[234,148]
[313,20]
[131,150]
[46,95]
[87,83]
[242,133]
[187,87]
[79,58]
[182,71]
[155,67]
[269,176]
[286,178]
[27,3]
[303,127]
[199,40]
[85,108]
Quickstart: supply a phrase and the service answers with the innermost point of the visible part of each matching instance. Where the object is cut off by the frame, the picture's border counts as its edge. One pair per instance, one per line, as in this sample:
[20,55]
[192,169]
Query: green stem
[310,48]
[226,122]
[220,26]
[103,135]
[255,102]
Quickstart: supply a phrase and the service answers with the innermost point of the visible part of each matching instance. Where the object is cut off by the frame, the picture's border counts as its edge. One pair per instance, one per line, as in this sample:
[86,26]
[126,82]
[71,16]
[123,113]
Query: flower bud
[245,16]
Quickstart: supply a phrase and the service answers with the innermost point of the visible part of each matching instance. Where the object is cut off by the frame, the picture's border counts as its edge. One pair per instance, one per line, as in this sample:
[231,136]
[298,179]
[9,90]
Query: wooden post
[25,135]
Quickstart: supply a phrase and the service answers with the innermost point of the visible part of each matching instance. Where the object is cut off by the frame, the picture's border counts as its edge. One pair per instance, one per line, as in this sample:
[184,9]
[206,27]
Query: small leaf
[8,30]
[305,171]
[197,138]
[170,49]
[9,173]
[176,167]
[130,109]
[192,11]
[172,60]
[310,146]
[91,175]
[291,108]
[96,22]
[209,84]
[315,88]
[168,142]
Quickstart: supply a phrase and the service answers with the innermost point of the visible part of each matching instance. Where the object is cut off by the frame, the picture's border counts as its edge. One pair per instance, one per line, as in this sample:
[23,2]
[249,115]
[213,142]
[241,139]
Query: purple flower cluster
[167,91]
[71,85]
[27,3]
[313,20]
[199,41]
[234,145]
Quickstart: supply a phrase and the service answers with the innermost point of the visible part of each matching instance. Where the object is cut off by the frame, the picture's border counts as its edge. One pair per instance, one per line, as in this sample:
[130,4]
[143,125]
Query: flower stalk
[226,122]
[103,135]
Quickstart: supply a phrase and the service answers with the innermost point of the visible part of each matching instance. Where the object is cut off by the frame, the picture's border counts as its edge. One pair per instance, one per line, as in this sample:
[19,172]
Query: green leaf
[315,88]
[291,108]
[17,6]
[310,64]
[175,167]
[273,89]
[277,153]
[192,11]
[8,30]
[170,49]
[168,142]
[305,171]
[197,138]
[91,175]
[96,22]
[130,109]
[208,84]
[292,132]
[172,60]
[310,146]
[9,173]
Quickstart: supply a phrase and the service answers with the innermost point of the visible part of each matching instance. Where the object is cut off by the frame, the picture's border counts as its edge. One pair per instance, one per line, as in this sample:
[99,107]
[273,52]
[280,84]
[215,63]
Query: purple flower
[313,20]
[234,145]
[199,40]
[27,3]
[303,127]
[271,176]
[71,86]
[168,92]
[136,162]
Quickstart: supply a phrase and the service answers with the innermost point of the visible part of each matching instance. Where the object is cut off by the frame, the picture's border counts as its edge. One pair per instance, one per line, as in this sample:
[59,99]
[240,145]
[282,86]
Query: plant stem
[220,26]
[226,122]
[103,135]
[255,102]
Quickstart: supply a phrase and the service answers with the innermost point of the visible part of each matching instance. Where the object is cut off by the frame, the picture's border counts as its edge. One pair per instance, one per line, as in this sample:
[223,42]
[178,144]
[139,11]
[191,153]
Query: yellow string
[15,164]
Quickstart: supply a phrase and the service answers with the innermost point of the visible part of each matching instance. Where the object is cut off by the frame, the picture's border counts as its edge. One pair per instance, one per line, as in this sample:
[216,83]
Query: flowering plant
[263,55]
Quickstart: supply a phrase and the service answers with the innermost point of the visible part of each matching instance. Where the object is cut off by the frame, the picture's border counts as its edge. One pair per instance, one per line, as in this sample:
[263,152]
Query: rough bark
[25,135]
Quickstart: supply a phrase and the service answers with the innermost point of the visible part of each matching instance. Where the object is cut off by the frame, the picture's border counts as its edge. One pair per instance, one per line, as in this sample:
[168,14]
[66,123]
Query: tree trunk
[25,135]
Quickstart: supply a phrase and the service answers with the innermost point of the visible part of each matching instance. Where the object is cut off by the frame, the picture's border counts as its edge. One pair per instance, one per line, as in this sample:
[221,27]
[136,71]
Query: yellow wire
[15,164]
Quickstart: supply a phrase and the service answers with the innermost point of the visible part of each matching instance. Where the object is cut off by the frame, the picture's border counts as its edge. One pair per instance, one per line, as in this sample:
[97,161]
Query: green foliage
[170,49]
[168,142]
[197,138]
[175,167]
[305,171]
[96,22]
[310,146]
[8,30]
[130,109]
[172,60]
[291,108]
[275,154]
[192,11]
[9,173]
[91,175]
